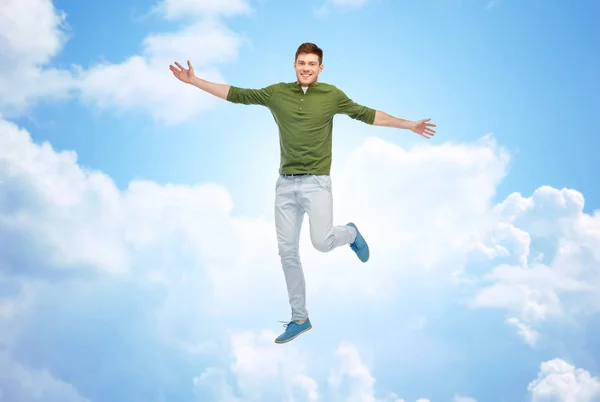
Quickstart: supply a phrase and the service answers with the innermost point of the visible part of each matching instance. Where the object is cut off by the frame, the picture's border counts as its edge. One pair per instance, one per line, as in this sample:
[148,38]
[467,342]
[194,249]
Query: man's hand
[182,74]
[188,76]
[422,128]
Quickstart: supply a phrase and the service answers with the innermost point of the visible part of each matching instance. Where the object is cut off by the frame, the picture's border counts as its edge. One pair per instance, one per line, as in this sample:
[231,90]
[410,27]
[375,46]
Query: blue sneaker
[359,246]
[292,330]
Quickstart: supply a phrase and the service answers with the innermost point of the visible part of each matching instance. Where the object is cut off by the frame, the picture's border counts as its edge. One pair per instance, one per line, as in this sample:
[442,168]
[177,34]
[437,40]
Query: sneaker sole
[294,337]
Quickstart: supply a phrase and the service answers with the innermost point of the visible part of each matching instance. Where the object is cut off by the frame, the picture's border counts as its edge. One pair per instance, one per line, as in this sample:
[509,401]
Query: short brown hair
[309,48]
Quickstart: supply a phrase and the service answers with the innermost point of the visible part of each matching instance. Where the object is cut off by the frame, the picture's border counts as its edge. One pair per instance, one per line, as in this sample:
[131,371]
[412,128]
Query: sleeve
[347,106]
[247,96]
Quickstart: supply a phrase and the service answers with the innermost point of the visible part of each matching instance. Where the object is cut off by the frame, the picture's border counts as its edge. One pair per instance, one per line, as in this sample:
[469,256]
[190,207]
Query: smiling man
[304,111]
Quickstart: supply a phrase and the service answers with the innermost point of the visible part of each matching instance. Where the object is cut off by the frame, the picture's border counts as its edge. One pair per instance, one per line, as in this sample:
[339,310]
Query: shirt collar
[315,84]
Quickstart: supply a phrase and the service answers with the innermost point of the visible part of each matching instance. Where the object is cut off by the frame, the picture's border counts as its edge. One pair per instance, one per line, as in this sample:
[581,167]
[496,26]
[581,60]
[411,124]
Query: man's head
[308,63]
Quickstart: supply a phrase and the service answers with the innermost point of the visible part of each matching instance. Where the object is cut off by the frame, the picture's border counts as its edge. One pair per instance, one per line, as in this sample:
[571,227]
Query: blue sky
[138,259]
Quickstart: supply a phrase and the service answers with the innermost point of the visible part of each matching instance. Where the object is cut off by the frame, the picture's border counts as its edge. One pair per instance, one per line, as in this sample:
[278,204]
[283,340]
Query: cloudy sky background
[138,259]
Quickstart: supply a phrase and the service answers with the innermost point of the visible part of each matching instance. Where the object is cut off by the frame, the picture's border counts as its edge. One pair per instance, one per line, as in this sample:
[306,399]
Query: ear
[321,67]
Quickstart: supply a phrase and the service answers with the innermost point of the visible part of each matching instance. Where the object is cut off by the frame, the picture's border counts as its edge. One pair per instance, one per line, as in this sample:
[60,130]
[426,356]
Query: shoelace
[287,323]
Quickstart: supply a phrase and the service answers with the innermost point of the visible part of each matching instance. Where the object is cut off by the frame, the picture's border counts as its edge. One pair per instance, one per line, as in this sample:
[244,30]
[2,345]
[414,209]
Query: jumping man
[304,111]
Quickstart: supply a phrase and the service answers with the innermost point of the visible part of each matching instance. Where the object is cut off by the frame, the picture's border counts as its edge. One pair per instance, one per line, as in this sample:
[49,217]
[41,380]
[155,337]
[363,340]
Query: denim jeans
[295,196]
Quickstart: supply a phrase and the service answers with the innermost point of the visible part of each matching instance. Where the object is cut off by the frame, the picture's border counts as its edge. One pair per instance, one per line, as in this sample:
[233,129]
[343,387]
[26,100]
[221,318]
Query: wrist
[196,81]
[406,124]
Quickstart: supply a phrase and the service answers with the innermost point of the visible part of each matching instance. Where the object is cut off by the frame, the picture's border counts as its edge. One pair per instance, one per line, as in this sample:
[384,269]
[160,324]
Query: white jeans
[295,196]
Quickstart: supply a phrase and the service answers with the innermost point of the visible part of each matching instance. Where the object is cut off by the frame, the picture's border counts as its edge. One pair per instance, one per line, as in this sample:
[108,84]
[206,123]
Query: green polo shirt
[305,121]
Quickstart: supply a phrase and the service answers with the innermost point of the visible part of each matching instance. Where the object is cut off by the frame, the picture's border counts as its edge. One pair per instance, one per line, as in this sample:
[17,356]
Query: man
[304,111]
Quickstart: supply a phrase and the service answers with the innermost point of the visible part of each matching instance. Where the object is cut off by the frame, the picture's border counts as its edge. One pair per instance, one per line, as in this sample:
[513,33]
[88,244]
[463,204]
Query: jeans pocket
[323,181]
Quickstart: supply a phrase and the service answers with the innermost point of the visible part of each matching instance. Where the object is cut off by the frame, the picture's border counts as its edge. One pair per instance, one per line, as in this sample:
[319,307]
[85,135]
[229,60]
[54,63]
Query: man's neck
[305,87]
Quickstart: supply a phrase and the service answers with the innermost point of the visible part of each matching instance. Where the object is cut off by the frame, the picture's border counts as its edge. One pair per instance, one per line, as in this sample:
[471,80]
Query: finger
[189,64]
[180,66]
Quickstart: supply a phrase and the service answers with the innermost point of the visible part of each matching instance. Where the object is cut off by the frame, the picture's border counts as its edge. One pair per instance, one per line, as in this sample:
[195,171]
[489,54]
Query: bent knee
[324,244]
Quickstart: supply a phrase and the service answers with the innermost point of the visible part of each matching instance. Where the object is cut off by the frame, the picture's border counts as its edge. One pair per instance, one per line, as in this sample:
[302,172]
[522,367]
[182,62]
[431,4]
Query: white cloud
[262,371]
[207,263]
[212,383]
[361,384]
[32,32]
[145,83]
[57,208]
[21,383]
[79,218]
[258,362]
[531,336]
[16,298]
[551,267]
[410,226]
[265,371]
[559,381]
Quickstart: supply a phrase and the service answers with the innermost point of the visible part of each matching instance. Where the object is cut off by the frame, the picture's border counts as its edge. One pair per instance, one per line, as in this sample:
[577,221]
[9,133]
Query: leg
[288,222]
[317,199]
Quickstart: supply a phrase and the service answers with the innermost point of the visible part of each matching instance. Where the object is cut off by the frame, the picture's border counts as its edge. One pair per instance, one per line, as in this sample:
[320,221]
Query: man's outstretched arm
[220,90]
[229,93]
[189,77]
[421,127]
[378,118]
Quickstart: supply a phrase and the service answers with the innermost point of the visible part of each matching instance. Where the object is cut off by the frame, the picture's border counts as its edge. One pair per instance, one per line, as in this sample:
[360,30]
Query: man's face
[307,68]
